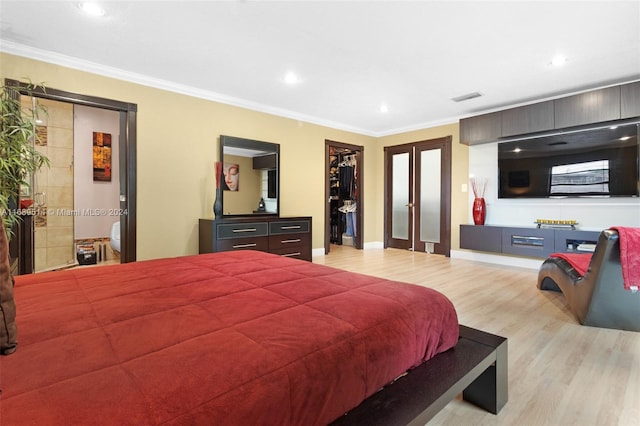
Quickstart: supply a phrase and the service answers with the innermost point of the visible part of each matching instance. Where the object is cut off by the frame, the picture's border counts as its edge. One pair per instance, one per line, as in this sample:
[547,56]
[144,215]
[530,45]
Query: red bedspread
[217,339]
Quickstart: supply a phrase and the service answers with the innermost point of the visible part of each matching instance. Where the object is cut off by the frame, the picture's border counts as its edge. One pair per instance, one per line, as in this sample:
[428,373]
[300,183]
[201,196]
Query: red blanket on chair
[629,256]
[579,261]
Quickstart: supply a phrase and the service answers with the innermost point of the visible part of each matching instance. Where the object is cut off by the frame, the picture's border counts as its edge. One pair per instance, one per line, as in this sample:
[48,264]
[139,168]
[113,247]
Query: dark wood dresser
[286,236]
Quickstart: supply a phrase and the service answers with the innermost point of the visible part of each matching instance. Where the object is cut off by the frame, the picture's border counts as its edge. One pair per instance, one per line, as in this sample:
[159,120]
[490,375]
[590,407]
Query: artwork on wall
[101,157]
[231,174]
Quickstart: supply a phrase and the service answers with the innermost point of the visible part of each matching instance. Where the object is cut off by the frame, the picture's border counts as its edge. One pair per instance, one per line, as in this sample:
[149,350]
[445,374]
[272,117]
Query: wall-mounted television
[602,162]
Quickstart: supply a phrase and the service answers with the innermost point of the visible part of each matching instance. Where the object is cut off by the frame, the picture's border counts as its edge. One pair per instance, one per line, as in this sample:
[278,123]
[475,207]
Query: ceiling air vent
[466,97]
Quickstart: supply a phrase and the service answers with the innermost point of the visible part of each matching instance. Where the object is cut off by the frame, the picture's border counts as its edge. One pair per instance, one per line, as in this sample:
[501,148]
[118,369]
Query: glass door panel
[400,196]
[430,178]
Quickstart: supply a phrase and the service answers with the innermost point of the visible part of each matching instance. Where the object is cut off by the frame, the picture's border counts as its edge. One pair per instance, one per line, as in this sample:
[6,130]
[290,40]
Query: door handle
[409,205]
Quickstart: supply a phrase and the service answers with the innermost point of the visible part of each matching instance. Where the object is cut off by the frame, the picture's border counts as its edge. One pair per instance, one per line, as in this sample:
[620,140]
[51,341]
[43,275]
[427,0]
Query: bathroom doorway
[96,170]
[124,117]
[343,195]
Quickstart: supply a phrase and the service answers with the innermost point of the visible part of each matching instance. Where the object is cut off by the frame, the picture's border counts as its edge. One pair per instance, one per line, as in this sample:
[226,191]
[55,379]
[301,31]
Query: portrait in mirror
[259,162]
[231,173]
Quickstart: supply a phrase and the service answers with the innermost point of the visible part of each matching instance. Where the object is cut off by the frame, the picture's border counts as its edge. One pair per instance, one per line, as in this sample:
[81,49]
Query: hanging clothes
[347,177]
[349,209]
[343,193]
[346,181]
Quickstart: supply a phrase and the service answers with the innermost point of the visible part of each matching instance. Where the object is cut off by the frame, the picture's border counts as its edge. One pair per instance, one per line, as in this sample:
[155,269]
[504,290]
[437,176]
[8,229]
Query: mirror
[250,178]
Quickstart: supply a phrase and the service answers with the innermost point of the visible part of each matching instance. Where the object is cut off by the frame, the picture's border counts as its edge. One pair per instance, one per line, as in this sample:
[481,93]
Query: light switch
[463,187]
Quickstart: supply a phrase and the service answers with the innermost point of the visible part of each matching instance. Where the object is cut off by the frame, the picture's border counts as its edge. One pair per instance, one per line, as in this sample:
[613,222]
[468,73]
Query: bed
[225,338]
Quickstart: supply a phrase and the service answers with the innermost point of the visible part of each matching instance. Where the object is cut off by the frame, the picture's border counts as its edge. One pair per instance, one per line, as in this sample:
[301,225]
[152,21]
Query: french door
[418,196]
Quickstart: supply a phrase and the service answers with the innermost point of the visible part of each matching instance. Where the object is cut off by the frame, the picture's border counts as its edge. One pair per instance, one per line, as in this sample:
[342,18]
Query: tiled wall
[53,186]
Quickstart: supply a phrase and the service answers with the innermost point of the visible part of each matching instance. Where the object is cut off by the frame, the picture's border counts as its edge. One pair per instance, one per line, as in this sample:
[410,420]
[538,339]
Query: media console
[526,241]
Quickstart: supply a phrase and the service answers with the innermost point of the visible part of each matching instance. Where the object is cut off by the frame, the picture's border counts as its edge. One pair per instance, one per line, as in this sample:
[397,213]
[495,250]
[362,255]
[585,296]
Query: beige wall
[178,139]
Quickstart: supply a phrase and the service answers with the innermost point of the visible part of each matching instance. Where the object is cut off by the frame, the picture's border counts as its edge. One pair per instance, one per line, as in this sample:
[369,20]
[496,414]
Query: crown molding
[418,126]
[144,80]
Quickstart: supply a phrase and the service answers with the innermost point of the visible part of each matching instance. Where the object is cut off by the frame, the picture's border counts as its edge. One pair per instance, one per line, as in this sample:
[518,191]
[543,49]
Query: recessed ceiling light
[384,108]
[290,78]
[90,8]
[625,138]
[517,150]
[558,61]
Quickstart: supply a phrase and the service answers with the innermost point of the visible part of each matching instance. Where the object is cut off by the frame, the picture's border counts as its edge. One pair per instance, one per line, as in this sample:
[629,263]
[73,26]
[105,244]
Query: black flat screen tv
[602,162]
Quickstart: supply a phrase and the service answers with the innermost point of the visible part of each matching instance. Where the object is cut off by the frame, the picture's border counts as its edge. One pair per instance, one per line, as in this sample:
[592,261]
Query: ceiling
[351,57]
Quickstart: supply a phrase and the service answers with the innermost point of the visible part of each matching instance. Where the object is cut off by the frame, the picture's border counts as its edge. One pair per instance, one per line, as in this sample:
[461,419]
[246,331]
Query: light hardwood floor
[560,373]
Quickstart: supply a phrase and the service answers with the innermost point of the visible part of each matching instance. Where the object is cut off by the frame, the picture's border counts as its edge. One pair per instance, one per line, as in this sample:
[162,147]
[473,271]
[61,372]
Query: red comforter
[217,339]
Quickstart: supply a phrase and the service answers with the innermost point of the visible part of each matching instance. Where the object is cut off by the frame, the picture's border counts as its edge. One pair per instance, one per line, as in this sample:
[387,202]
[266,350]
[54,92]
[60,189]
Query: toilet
[115,237]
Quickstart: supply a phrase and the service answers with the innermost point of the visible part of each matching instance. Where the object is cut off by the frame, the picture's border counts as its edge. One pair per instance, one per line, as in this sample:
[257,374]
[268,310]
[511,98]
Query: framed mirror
[250,178]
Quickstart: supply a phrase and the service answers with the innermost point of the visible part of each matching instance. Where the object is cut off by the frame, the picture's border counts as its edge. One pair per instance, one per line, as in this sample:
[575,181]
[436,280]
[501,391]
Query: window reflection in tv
[591,177]
[599,162]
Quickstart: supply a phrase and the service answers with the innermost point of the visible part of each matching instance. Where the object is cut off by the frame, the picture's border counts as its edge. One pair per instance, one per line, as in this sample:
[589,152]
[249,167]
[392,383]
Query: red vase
[479,211]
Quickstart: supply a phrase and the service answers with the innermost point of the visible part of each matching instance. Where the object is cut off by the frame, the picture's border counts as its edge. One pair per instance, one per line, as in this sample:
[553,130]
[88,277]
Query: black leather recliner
[598,298]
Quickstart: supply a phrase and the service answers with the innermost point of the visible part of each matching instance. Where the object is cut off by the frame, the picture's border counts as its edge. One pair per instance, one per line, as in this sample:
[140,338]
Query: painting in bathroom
[101,157]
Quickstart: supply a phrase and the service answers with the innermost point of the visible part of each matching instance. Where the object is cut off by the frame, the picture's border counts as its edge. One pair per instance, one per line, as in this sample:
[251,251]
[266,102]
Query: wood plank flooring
[560,373]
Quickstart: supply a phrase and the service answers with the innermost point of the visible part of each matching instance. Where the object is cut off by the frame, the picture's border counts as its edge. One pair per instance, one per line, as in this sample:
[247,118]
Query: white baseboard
[366,246]
[497,259]
[317,252]
[373,245]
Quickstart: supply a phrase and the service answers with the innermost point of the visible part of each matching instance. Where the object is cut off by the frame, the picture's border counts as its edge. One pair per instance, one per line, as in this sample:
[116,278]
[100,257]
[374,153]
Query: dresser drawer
[300,252]
[242,230]
[288,240]
[250,243]
[289,227]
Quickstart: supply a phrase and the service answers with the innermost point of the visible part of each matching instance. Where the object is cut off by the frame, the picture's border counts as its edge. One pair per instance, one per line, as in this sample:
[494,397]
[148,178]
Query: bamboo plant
[19,159]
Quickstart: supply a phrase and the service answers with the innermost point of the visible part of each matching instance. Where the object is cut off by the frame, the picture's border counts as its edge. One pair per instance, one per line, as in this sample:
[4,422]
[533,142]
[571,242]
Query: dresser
[286,236]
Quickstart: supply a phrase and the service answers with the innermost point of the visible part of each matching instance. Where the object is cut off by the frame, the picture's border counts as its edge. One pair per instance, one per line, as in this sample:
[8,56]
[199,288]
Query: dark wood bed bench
[475,367]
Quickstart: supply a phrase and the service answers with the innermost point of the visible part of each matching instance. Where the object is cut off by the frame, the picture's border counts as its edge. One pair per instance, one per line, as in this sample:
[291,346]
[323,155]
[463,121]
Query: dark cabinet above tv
[596,106]
[591,107]
[630,100]
[481,128]
[528,119]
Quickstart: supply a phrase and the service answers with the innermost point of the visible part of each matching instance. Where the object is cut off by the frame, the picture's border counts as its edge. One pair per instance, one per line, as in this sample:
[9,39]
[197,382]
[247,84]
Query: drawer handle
[520,240]
[522,237]
[297,240]
[245,230]
[244,245]
[291,227]
[292,254]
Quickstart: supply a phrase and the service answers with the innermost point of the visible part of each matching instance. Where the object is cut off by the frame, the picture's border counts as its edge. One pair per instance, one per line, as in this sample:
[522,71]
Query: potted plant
[19,159]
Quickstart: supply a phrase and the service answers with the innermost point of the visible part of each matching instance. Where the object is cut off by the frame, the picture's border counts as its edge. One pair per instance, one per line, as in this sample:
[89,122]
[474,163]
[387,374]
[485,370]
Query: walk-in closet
[344,195]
